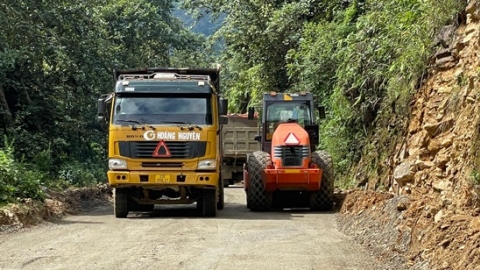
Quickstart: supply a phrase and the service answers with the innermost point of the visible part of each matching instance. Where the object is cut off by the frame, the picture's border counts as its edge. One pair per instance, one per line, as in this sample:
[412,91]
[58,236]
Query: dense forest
[361,59]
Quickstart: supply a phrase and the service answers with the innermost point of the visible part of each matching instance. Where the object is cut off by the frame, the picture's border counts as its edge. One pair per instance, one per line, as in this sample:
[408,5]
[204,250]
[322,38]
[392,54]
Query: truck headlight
[115,163]
[208,164]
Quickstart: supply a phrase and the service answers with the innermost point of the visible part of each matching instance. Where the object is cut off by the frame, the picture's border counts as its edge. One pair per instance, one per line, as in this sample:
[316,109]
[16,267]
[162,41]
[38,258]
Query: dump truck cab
[288,171]
[163,143]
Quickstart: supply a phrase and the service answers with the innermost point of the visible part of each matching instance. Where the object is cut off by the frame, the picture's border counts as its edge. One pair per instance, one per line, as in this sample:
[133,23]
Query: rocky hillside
[431,214]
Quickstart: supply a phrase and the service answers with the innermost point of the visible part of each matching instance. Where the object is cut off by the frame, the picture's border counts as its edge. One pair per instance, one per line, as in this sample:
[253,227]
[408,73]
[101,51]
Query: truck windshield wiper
[190,125]
[194,126]
[137,122]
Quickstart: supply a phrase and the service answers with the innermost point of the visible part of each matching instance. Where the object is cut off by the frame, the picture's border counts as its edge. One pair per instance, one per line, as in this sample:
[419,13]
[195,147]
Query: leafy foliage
[258,34]
[16,180]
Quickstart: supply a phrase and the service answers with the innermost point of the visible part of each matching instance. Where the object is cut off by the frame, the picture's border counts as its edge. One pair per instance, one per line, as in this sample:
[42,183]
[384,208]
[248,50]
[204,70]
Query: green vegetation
[16,179]
[362,59]
[475,175]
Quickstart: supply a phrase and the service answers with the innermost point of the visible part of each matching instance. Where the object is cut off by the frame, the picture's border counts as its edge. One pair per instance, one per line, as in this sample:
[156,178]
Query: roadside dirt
[412,229]
[177,238]
[57,205]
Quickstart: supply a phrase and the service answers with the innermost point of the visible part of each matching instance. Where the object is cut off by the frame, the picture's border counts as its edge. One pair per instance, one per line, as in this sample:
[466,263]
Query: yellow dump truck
[163,138]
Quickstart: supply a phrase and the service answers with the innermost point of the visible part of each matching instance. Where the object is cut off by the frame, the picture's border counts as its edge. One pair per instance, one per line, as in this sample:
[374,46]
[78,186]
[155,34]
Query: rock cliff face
[431,213]
[439,153]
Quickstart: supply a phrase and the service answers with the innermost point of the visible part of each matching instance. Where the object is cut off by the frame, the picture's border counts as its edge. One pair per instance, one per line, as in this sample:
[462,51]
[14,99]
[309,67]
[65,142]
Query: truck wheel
[207,204]
[257,198]
[221,196]
[121,202]
[322,200]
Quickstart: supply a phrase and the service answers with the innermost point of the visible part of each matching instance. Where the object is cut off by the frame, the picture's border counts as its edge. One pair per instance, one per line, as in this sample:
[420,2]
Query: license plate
[164,178]
[292,171]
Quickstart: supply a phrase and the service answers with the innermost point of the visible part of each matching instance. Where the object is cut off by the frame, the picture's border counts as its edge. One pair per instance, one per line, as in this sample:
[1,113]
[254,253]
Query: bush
[19,179]
[16,181]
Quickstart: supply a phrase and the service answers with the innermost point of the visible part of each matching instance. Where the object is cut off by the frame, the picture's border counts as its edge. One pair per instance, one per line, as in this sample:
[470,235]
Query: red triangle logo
[161,150]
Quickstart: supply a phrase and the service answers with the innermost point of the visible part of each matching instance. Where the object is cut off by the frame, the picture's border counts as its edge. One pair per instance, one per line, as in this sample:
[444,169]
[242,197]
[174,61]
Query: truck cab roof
[163,86]
[185,77]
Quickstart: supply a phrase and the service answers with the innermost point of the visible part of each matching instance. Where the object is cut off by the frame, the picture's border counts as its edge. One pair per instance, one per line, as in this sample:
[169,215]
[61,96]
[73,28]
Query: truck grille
[291,155]
[145,149]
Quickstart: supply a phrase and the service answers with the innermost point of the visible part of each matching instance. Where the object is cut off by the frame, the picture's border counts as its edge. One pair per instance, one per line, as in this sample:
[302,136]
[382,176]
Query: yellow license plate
[164,178]
[292,171]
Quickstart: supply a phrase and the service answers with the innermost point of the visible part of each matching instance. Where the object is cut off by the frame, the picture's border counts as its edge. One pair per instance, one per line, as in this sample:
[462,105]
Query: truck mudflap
[292,179]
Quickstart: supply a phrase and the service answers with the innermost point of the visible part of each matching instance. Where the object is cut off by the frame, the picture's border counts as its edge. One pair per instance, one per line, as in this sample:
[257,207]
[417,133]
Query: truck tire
[257,198]
[226,182]
[121,203]
[207,204]
[221,195]
[322,200]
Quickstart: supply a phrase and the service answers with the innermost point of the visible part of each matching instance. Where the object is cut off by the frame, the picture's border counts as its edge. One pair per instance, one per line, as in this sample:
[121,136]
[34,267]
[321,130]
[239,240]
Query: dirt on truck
[163,140]
[238,140]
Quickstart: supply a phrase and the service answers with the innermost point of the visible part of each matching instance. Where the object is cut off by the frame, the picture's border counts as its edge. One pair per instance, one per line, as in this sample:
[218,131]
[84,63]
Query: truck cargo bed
[238,141]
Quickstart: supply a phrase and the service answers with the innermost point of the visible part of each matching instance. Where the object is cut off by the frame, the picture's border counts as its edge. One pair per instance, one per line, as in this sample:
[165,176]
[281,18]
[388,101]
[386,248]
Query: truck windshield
[283,112]
[162,110]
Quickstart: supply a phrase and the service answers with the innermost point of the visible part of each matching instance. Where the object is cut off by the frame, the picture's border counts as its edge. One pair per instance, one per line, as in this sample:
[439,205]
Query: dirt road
[177,238]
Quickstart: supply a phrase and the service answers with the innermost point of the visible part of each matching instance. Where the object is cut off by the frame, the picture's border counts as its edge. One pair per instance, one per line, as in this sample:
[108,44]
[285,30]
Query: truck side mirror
[251,113]
[101,110]
[321,112]
[257,138]
[223,106]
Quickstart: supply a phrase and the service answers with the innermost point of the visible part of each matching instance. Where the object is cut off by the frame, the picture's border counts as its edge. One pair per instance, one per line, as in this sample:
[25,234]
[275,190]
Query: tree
[258,35]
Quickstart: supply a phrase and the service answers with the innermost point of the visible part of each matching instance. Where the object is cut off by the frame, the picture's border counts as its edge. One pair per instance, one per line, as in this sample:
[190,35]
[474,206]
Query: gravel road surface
[178,238]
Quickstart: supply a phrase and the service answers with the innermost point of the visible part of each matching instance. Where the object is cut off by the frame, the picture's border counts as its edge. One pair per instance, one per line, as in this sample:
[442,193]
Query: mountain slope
[431,214]
[206,25]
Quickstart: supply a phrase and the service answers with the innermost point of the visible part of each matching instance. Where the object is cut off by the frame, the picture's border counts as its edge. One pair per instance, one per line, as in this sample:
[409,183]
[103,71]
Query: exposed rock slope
[431,214]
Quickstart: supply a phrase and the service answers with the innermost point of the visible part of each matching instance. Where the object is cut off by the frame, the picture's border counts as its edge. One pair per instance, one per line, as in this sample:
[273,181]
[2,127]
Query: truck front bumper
[292,179]
[167,178]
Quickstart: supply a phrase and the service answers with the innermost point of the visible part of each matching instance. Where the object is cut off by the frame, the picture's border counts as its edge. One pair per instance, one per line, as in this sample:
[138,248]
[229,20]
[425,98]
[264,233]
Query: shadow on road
[68,222]
[231,211]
